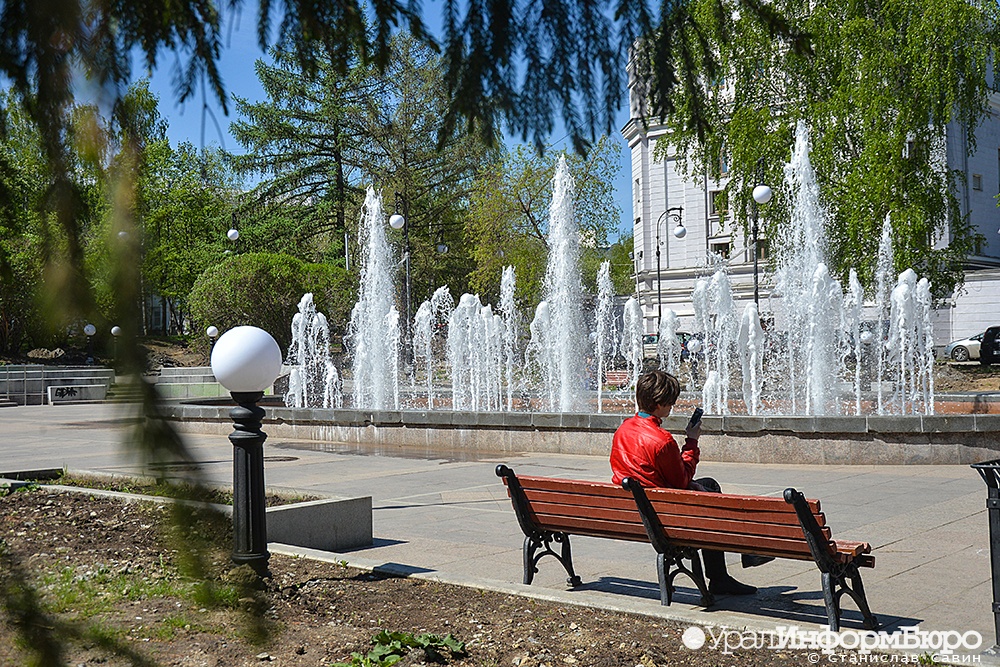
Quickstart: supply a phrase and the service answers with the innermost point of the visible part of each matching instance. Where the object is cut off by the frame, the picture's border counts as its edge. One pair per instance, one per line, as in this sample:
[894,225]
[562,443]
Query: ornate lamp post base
[249,507]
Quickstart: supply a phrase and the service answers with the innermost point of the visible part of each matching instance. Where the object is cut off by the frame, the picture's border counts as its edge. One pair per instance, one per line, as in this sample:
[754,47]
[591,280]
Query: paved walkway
[447,515]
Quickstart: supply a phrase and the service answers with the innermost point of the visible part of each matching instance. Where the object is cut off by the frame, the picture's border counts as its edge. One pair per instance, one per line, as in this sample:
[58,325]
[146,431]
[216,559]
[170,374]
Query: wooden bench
[617,379]
[678,523]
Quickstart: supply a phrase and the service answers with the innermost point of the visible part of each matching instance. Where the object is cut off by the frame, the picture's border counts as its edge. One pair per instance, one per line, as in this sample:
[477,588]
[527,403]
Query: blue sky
[236,65]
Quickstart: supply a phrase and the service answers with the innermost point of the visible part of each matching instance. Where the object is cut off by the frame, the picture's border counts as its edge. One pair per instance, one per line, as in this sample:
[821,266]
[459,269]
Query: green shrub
[264,289]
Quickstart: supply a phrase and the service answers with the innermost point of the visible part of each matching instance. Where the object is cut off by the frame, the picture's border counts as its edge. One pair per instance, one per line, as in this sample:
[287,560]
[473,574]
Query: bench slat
[592,527]
[779,518]
[630,515]
[708,512]
[581,500]
[619,516]
[678,496]
[726,500]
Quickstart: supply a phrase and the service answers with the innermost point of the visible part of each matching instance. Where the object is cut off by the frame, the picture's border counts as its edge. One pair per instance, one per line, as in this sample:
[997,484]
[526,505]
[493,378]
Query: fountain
[431,317]
[604,329]
[814,355]
[631,345]
[313,380]
[668,345]
[556,339]
[374,330]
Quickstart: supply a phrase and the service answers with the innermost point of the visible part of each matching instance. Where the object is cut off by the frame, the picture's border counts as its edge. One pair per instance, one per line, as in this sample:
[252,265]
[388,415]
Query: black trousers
[715,561]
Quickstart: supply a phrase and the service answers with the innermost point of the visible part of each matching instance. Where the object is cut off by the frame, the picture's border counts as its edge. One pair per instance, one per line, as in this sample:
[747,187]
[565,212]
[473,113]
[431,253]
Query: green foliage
[622,266]
[263,290]
[320,141]
[21,176]
[391,647]
[885,81]
[507,223]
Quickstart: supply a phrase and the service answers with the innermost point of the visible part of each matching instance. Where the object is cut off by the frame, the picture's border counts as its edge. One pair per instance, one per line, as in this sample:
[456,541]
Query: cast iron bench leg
[857,593]
[835,586]
[832,600]
[540,540]
[664,565]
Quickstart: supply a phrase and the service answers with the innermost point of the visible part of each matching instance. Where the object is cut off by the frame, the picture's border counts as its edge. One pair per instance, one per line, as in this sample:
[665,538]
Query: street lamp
[761,195]
[212,332]
[90,330]
[246,360]
[672,213]
[116,331]
[398,221]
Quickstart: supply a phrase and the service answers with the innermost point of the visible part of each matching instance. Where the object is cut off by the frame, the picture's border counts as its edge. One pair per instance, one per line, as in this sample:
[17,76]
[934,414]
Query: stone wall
[886,440]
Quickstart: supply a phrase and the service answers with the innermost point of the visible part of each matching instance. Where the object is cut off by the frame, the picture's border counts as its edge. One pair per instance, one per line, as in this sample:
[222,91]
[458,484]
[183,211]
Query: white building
[658,187]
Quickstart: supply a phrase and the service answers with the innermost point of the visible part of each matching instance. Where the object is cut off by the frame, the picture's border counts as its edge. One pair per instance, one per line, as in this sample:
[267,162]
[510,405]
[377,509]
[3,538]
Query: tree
[507,222]
[22,177]
[886,79]
[622,266]
[322,140]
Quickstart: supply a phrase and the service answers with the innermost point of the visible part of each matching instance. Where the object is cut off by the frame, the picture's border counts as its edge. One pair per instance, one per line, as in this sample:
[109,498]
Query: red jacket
[643,451]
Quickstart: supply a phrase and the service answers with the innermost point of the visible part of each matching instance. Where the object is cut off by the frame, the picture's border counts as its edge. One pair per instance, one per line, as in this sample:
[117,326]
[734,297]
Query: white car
[965,349]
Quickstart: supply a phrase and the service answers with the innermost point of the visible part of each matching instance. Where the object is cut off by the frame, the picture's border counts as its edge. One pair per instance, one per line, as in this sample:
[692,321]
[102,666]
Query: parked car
[989,352]
[964,349]
[650,341]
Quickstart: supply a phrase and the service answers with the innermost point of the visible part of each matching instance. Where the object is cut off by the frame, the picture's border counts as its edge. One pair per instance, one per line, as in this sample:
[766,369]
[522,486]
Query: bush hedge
[264,289]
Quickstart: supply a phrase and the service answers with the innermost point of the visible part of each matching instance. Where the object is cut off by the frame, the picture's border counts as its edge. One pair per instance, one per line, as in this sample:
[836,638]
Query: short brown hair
[656,388]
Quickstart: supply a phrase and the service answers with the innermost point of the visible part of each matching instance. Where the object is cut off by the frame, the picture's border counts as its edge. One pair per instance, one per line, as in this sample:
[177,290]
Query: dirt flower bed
[111,589]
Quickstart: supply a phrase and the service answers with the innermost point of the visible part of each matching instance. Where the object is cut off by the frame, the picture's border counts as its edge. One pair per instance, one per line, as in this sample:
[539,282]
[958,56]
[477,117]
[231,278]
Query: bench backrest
[758,524]
[596,509]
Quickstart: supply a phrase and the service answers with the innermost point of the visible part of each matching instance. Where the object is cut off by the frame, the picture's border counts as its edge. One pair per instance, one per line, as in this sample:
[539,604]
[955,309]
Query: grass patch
[149,486]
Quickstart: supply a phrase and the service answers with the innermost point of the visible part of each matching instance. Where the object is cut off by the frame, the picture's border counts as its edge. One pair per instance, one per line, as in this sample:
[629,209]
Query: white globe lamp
[212,332]
[762,194]
[116,331]
[680,231]
[233,234]
[90,329]
[246,360]
[396,221]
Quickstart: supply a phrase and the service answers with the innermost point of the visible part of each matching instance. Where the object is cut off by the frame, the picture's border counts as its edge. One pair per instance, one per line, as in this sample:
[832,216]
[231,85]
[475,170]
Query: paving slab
[445,515]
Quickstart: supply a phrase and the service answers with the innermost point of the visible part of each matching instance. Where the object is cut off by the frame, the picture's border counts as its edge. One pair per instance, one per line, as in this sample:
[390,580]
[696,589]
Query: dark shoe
[730,586]
[750,560]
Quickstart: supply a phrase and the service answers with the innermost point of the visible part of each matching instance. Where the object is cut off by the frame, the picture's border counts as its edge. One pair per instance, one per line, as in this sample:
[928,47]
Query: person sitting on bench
[648,454]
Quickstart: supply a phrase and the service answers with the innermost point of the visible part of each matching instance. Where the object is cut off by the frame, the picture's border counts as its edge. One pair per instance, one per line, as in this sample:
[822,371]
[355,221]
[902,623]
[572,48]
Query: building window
[638,193]
[977,181]
[721,249]
[762,249]
[716,204]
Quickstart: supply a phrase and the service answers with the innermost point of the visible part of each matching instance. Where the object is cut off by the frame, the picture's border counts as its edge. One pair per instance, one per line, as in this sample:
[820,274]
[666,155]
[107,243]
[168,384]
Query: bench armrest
[517,498]
[819,545]
[652,523]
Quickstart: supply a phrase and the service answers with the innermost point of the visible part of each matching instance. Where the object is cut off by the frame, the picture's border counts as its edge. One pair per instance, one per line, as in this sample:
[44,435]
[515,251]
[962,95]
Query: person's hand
[693,431]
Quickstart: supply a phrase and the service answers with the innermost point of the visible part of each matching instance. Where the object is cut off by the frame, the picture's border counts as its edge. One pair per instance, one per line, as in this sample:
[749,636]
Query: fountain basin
[939,439]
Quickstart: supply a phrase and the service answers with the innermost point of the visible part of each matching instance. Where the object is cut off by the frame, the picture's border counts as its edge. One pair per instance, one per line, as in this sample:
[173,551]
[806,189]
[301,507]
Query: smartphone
[696,417]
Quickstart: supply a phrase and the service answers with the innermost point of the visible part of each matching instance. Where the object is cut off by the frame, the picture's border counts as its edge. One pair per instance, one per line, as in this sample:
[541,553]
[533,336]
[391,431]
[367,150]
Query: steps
[125,390]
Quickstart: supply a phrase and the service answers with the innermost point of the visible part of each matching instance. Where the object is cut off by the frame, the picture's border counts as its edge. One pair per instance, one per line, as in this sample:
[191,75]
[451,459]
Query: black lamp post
[246,360]
[90,330]
[398,220]
[761,195]
[990,472]
[116,331]
[672,213]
